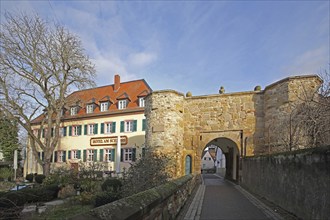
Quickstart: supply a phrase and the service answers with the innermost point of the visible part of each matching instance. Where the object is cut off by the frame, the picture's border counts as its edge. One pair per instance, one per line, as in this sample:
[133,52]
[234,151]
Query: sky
[195,46]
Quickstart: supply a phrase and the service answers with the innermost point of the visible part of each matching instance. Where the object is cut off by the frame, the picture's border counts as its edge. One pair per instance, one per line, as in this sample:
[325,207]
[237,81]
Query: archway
[224,151]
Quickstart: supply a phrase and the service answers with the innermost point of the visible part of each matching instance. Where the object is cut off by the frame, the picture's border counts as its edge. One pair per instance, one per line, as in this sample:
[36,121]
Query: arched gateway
[239,123]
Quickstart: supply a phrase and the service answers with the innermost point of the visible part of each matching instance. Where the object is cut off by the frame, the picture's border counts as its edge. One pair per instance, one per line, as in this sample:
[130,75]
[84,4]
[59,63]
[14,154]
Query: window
[122,104]
[75,130]
[90,129]
[89,108]
[74,154]
[128,126]
[128,155]
[141,102]
[61,156]
[104,106]
[108,155]
[74,110]
[90,155]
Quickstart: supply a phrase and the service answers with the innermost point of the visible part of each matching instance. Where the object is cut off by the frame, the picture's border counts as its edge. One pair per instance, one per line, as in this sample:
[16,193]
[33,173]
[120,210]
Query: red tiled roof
[132,90]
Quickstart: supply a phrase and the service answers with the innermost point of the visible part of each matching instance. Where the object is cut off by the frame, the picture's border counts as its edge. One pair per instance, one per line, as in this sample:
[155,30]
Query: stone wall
[163,202]
[181,126]
[297,181]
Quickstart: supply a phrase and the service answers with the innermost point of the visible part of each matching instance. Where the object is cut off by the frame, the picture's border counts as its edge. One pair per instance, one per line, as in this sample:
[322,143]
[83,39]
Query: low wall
[162,202]
[297,181]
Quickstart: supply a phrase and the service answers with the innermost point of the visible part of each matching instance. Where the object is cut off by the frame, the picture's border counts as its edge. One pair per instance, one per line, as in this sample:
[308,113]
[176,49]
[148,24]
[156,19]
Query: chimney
[117,83]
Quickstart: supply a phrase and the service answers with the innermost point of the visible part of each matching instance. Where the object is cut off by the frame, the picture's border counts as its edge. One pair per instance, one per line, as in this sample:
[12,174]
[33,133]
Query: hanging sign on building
[101,141]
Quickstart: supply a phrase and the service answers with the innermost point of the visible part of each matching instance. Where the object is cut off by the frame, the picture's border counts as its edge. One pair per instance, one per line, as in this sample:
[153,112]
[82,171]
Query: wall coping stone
[292,78]
[135,206]
[305,151]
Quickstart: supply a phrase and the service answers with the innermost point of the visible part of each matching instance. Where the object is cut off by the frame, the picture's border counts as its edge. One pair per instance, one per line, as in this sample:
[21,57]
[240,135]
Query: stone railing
[298,181]
[162,202]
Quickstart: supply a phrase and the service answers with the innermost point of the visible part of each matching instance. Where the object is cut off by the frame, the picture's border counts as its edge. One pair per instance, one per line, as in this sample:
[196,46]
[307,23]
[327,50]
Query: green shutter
[122,126]
[69,154]
[135,125]
[133,154]
[42,156]
[144,122]
[51,158]
[70,130]
[85,156]
[113,154]
[64,156]
[85,129]
[95,155]
[64,131]
[79,154]
[95,128]
[121,155]
[43,133]
[101,155]
[79,130]
[113,127]
[102,128]
[55,156]
[52,132]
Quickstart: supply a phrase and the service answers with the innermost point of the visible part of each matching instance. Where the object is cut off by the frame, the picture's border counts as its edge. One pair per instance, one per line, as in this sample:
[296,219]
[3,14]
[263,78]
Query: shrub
[39,178]
[105,198]
[111,184]
[5,173]
[19,198]
[86,198]
[29,177]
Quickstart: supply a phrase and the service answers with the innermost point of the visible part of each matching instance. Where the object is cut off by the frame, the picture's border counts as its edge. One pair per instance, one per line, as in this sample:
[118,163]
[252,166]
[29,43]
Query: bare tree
[306,123]
[40,64]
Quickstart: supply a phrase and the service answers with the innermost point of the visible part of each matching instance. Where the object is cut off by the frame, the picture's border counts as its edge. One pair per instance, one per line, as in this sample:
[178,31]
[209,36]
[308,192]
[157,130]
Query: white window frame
[74,130]
[90,155]
[122,104]
[60,155]
[89,108]
[128,155]
[61,132]
[74,110]
[108,127]
[141,102]
[90,129]
[107,155]
[74,154]
[128,126]
[104,106]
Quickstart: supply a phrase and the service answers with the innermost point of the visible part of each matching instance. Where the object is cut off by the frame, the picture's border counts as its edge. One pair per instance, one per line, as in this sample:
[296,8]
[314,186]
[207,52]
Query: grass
[63,211]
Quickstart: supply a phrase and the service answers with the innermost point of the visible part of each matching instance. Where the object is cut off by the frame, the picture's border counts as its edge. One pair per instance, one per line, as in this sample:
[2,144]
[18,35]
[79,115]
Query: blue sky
[195,46]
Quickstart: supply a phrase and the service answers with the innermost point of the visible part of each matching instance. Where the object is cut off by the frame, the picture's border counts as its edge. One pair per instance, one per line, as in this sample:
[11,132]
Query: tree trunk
[46,168]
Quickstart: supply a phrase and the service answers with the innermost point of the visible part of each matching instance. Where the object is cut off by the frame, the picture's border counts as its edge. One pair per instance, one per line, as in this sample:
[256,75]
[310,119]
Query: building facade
[92,123]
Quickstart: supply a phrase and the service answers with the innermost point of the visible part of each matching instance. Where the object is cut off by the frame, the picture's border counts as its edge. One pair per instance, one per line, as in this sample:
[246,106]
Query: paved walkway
[219,199]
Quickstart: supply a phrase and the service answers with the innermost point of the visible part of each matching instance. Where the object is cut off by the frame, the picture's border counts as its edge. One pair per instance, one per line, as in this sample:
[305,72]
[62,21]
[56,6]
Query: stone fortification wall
[222,113]
[280,100]
[180,126]
[162,202]
[297,181]
[164,113]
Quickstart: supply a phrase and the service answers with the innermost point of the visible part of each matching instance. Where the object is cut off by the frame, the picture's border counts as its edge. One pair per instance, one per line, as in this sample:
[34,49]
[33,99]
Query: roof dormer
[123,100]
[90,106]
[105,103]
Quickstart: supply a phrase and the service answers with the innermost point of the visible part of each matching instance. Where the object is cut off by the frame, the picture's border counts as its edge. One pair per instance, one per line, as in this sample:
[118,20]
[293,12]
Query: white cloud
[141,59]
[310,62]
